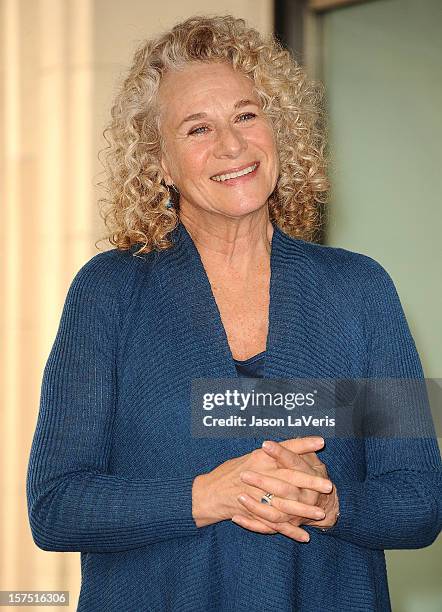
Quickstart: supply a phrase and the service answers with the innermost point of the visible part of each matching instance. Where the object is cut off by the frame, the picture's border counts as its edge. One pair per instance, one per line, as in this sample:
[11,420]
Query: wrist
[203,508]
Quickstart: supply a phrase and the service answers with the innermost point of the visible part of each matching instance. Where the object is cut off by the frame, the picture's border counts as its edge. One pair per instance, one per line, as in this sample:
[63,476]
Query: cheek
[194,160]
[183,158]
[265,140]
[269,146]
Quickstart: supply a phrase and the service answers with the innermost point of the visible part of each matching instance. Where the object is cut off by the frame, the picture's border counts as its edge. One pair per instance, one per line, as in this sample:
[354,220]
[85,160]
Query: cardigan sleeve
[74,504]
[398,505]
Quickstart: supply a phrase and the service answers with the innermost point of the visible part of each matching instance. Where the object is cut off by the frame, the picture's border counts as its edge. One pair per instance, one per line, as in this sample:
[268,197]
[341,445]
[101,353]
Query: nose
[229,142]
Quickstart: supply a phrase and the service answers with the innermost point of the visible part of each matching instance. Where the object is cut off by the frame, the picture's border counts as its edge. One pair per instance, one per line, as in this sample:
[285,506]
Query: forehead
[199,85]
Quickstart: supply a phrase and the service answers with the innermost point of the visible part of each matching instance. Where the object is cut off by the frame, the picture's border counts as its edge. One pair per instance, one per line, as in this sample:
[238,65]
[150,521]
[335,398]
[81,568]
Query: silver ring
[267,499]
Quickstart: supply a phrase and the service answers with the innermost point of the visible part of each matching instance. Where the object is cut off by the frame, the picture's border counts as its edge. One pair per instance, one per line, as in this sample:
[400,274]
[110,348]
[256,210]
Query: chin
[236,204]
[244,208]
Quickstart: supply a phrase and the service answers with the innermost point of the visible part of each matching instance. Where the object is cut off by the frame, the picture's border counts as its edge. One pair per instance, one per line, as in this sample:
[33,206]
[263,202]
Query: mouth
[236,173]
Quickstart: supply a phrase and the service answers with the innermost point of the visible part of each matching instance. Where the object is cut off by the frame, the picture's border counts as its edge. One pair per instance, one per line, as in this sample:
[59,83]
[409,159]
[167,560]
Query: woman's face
[213,126]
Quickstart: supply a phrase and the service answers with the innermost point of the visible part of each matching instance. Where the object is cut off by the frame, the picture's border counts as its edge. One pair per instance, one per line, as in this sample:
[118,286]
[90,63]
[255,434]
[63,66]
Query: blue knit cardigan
[113,459]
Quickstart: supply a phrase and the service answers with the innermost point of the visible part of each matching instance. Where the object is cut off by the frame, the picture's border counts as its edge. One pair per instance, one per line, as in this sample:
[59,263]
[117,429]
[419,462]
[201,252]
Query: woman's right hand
[215,494]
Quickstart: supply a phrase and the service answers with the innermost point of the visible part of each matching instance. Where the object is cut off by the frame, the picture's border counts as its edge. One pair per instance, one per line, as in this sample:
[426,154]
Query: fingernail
[242,498]
[306,538]
[320,441]
[328,486]
[267,444]
[320,514]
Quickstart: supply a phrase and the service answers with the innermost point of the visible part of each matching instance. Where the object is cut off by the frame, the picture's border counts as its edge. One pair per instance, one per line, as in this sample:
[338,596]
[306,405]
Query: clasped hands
[302,492]
[290,470]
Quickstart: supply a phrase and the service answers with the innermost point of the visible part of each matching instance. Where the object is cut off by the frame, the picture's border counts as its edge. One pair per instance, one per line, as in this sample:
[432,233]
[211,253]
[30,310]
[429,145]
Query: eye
[246,116]
[197,131]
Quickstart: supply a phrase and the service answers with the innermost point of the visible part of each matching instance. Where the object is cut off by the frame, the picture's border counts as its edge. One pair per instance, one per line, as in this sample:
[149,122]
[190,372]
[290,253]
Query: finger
[295,533]
[288,484]
[261,510]
[252,524]
[289,530]
[298,509]
[309,457]
[278,486]
[321,469]
[284,456]
[288,456]
[300,446]
[308,462]
[284,500]
[314,462]
[303,480]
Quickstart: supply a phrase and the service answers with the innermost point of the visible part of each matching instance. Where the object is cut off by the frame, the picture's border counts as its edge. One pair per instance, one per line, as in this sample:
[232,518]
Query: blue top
[113,459]
[252,367]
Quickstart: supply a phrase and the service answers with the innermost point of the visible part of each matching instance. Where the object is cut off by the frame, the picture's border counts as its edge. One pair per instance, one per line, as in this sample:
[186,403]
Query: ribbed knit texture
[113,459]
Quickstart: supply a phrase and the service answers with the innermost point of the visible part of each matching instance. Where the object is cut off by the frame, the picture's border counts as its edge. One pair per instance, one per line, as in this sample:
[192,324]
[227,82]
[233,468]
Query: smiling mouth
[231,175]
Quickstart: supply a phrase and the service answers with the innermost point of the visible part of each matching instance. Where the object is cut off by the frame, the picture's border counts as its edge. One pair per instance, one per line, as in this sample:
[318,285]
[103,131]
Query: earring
[175,192]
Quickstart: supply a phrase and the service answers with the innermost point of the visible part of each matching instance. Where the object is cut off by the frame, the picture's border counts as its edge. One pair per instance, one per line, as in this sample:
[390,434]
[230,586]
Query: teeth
[225,177]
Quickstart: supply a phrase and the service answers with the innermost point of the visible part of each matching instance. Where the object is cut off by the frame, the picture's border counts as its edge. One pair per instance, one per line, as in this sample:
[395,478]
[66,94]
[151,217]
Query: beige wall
[59,61]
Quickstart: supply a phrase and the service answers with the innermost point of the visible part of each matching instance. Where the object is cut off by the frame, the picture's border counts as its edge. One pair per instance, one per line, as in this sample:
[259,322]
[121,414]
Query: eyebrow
[236,106]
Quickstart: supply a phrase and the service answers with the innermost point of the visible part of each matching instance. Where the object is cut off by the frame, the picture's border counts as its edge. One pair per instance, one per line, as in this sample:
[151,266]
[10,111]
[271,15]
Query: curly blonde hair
[136,210]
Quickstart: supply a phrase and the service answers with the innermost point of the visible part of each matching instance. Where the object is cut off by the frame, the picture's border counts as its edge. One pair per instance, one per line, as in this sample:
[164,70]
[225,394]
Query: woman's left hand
[288,460]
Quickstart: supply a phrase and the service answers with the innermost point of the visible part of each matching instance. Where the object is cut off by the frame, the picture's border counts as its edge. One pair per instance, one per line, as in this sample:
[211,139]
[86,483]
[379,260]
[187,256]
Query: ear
[165,169]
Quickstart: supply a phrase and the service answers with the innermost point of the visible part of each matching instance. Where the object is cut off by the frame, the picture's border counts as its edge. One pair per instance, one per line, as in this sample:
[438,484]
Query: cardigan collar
[197,321]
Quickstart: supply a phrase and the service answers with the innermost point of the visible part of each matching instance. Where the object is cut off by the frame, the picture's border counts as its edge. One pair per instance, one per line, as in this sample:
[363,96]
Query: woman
[216,171]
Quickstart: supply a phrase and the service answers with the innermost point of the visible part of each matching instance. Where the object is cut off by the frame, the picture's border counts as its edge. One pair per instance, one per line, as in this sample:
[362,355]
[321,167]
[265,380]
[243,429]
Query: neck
[233,245]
